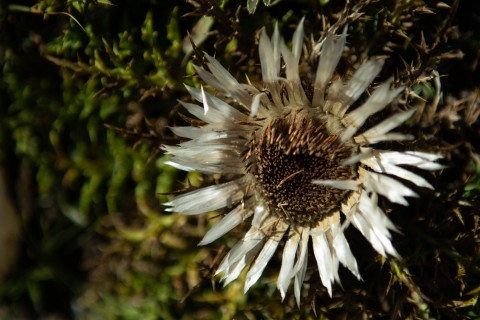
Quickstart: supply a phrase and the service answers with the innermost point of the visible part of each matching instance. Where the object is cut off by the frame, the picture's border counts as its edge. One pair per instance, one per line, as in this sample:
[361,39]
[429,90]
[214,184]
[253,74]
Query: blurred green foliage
[70,68]
[87,90]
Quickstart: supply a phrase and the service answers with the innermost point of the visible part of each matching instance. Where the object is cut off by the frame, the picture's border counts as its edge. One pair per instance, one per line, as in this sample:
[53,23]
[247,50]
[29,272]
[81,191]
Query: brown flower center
[287,156]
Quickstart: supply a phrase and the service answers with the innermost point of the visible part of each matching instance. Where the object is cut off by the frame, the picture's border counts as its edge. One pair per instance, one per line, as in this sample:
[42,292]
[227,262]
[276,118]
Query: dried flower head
[301,166]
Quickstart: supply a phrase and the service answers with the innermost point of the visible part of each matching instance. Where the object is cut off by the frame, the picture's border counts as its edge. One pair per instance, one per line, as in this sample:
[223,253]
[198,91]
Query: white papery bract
[300,162]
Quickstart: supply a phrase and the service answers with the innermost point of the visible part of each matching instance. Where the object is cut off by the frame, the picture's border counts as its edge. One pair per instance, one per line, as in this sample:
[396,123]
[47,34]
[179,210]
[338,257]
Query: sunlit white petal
[230,221]
[386,126]
[331,53]
[327,267]
[264,256]
[288,260]
[392,189]
[207,199]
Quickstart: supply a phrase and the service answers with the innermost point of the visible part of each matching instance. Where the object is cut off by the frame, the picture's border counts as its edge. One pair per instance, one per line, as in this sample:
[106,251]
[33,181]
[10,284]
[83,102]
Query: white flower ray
[288,260]
[357,85]
[208,199]
[300,268]
[379,132]
[227,223]
[265,255]
[330,55]
[392,189]
[342,249]
[327,265]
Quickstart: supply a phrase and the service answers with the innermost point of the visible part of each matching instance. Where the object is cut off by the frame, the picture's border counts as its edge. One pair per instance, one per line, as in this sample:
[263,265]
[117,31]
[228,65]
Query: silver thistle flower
[298,160]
